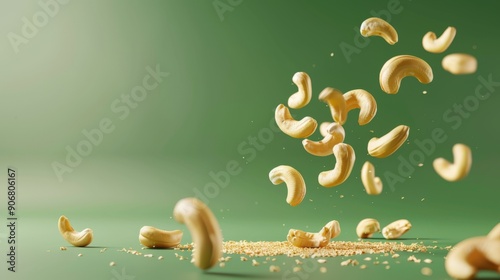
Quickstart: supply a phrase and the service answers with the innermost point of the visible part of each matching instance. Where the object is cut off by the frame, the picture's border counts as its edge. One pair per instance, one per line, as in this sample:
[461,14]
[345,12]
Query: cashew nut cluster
[293,180]
[438,45]
[75,238]
[152,237]
[459,168]
[373,185]
[367,227]
[386,145]
[459,63]
[378,27]
[297,129]
[396,229]
[304,239]
[302,97]
[204,229]
[335,135]
[345,157]
[398,67]
[335,100]
[362,99]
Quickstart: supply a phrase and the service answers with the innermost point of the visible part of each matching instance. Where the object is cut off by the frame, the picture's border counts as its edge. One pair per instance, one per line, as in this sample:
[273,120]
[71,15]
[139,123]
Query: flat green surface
[228,69]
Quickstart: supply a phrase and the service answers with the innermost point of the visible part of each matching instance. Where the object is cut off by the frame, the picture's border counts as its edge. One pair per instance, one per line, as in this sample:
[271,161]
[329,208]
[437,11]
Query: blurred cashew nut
[362,99]
[336,102]
[396,229]
[345,157]
[75,238]
[152,237]
[297,129]
[378,27]
[438,45]
[367,227]
[386,145]
[459,168]
[459,63]
[398,67]
[293,180]
[336,134]
[373,185]
[302,97]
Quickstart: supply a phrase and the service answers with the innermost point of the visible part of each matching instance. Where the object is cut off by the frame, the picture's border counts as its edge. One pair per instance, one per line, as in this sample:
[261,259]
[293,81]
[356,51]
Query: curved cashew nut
[302,97]
[75,238]
[336,134]
[297,129]
[293,180]
[379,27]
[495,232]
[367,227]
[398,67]
[152,237]
[204,228]
[459,63]
[303,239]
[323,128]
[386,145]
[373,185]
[438,45]
[459,168]
[345,156]
[362,99]
[396,229]
[336,102]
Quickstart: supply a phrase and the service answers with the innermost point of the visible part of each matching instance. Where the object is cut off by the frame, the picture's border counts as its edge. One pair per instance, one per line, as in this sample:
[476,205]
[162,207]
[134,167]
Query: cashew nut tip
[459,63]
[373,185]
[324,147]
[152,237]
[302,97]
[304,239]
[75,238]
[438,45]
[335,100]
[345,157]
[396,229]
[386,145]
[297,129]
[323,128]
[378,27]
[495,232]
[204,229]
[367,227]
[398,67]
[459,168]
[362,99]
[294,183]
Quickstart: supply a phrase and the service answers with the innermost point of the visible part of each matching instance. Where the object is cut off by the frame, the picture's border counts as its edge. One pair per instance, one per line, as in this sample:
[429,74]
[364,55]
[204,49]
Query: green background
[228,71]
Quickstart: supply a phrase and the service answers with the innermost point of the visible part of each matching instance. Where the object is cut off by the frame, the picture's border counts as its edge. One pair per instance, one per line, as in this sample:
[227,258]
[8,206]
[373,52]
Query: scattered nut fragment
[459,168]
[367,259]
[345,157]
[293,180]
[373,185]
[375,26]
[367,227]
[297,269]
[160,258]
[321,261]
[396,229]
[322,269]
[438,45]
[63,248]
[75,238]
[79,255]
[335,135]
[335,100]
[388,144]
[395,256]
[243,259]
[302,97]
[414,259]
[363,266]
[362,99]
[222,264]
[427,261]
[398,67]
[297,129]
[346,262]
[302,239]
[459,63]
[274,268]
[152,237]
[112,264]
[426,271]
[255,263]
[103,250]
[148,255]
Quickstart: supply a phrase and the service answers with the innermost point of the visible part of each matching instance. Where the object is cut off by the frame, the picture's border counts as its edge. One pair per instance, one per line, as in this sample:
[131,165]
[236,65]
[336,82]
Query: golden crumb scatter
[274,268]
[243,259]
[255,263]
[395,256]
[63,248]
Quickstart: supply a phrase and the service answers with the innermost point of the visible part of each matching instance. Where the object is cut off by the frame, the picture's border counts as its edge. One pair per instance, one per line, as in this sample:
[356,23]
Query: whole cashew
[152,237]
[379,27]
[336,134]
[323,128]
[398,67]
[345,156]
[438,45]
[302,97]
[396,229]
[362,99]
[335,100]
[459,63]
[373,185]
[459,168]
[294,183]
[75,238]
[297,129]
[303,239]
[367,227]
[386,145]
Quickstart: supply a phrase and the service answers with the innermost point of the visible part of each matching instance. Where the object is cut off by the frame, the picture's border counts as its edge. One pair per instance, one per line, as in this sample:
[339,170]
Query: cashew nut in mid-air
[459,63]
[297,129]
[386,145]
[398,67]
[373,185]
[336,134]
[335,100]
[438,45]
[293,180]
[396,229]
[302,97]
[345,156]
[362,99]
[457,170]
[375,26]
[367,227]
[75,238]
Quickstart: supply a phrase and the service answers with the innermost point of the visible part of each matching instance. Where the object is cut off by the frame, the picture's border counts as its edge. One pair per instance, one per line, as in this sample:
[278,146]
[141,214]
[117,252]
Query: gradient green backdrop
[230,63]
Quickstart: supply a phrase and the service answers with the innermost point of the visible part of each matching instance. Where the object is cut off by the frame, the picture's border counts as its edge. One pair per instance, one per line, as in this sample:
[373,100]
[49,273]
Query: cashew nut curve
[373,185]
[459,63]
[323,128]
[152,237]
[396,229]
[398,67]
[204,228]
[386,145]
[297,129]
[293,180]
[362,99]
[302,97]
[335,100]
[304,239]
[336,134]
[345,157]
[495,232]
[378,27]
[367,227]
[457,170]
[75,238]
[438,45]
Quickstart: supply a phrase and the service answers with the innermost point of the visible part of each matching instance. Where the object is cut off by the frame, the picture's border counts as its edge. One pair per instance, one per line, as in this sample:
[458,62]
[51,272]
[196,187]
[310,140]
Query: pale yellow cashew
[396,229]
[457,170]
[304,239]
[367,227]
[362,99]
[459,63]
[323,128]
[495,232]
[398,67]
[152,237]
[335,100]
[373,185]
[336,134]
[297,129]
[293,180]
[438,45]
[386,145]
[204,228]
[345,157]
[302,97]
[378,27]
[75,238]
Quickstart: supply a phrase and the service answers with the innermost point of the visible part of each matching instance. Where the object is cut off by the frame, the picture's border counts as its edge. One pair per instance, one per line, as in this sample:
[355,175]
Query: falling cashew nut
[495,232]
[378,27]
[204,228]
[345,157]
[152,237]
[335,100]
[304,239]
[438,45]
[302,97]
[293,180]
[297,129]
[386,145]
[367,227]
[336,134]
[459,168]
[75,238]
[398,67]
[323,128]
[362,99]
[396,229]
[459,63]
[373,185]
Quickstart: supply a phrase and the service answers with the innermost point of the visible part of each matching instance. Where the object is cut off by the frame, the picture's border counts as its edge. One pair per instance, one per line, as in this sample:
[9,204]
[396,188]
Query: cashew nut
[323,128]
[459,168]
[373,185]
[302,97]
[335,100]
[495,232]
[398,67]
[303,239]
[293,180]
[386,145]
[396,229]
[75,238]
[297,129]
[204,228]
[336,134]
[345,157]
[152,237]
[367,227]
[378,27]
[438,45]
[459,63]
[362,99]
